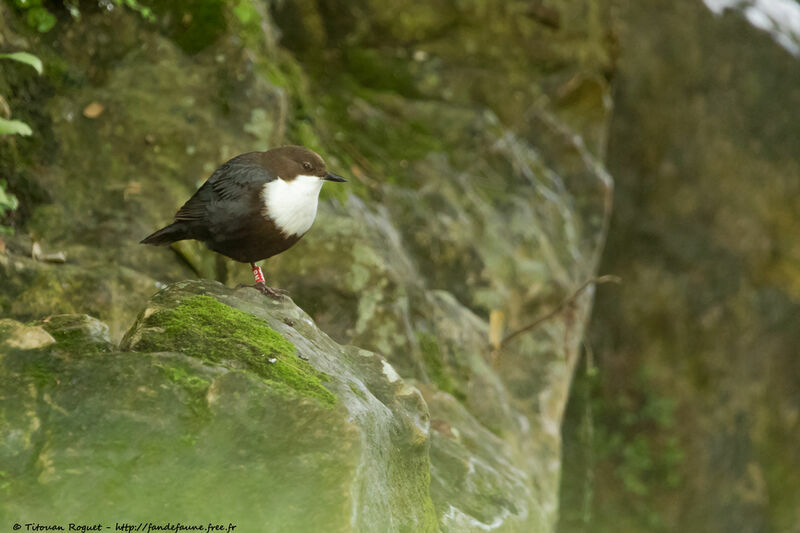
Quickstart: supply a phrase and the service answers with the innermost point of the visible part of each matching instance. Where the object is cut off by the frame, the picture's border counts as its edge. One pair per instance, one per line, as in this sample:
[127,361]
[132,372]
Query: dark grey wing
[236,180]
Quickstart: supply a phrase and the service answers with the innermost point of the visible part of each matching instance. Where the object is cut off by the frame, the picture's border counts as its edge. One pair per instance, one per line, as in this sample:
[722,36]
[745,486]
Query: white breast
[292,205]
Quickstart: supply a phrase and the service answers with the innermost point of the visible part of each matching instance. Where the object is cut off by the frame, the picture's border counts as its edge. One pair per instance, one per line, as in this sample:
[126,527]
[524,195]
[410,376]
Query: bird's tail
[174,232]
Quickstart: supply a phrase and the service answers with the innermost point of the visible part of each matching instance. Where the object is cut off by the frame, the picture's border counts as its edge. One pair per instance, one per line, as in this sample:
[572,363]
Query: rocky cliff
[471,132]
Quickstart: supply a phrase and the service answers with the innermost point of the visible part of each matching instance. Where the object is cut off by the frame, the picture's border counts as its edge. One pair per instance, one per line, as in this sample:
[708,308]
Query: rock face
[224,404]
[220,404]
[475,187]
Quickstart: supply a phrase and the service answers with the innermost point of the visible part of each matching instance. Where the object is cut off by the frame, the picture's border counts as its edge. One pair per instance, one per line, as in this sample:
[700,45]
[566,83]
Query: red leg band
[258,274]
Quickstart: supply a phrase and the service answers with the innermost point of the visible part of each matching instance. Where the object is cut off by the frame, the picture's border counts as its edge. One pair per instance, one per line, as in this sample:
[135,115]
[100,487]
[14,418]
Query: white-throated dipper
[253,207]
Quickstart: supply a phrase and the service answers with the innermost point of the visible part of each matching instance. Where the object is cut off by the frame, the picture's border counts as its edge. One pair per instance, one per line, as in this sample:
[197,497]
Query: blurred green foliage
[8,203]
[37,16]
[43,20]
[695,411]
[195,24]
[629,440]
[134,5]
[7,126]
[641,443]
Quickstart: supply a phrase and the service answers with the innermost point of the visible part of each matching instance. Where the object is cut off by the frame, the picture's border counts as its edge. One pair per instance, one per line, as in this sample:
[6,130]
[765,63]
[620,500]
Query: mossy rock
[473,485]
[79,334]
[202,327]
[337,443]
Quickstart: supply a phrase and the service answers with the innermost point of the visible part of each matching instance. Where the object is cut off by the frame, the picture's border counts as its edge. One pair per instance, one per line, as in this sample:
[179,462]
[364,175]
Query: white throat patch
[292,205]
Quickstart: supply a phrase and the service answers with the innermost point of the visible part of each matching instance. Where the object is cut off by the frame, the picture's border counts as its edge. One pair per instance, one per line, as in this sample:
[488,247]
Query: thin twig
[560,307]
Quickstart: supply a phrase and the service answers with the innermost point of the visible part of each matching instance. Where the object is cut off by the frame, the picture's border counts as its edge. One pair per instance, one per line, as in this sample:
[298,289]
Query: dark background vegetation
[694,406]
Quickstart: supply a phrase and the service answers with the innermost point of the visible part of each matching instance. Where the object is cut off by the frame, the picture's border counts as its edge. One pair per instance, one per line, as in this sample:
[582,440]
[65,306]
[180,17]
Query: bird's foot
[272,292]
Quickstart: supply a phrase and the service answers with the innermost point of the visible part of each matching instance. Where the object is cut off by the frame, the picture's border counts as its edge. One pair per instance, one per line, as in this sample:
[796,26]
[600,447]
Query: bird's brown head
[292,161]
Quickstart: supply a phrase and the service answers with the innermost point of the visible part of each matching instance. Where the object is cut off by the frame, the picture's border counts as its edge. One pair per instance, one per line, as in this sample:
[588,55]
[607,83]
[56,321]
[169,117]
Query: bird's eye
[307,165]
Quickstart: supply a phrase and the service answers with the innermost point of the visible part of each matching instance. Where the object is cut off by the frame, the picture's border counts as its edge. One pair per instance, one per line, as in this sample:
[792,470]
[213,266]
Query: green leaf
[14,126]
[41,19]
[25,57]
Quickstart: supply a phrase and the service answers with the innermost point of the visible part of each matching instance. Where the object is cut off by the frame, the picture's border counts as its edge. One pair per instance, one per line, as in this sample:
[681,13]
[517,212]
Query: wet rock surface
[310,435]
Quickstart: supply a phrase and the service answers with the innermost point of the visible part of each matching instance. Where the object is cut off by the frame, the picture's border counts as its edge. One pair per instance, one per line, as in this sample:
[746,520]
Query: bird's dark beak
[330,176]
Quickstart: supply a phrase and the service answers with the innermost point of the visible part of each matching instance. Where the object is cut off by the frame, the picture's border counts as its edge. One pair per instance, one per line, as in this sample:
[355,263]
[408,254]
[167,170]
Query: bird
[254,206]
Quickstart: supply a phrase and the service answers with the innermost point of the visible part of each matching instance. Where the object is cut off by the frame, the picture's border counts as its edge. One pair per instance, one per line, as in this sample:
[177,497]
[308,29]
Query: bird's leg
[261,285]
[258,274]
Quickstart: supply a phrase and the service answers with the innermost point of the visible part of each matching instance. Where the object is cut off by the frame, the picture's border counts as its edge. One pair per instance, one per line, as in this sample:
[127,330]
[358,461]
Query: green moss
[75,342]
[74,334]
[248,24]
[435,365]
[42,367]
[66,338]
[377,124]
[5,483]
[380,71]
[181,377]
[192,24]
[358,392]
[209,330]
[194,386]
